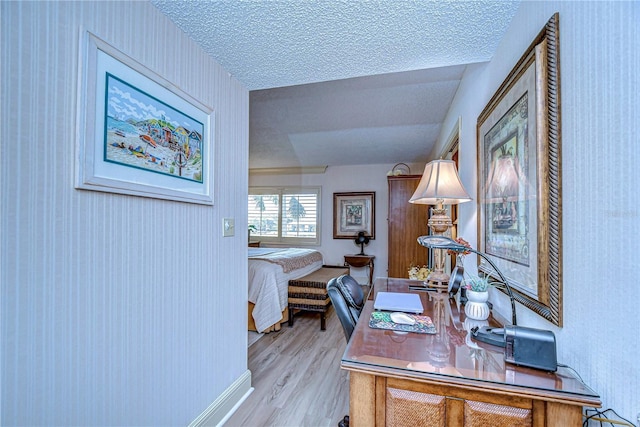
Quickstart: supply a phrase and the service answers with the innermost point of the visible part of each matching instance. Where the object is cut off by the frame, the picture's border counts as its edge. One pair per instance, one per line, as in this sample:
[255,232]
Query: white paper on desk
[398,301]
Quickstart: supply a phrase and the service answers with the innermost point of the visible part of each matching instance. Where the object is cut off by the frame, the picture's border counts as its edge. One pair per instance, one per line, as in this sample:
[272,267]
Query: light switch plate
[228,227]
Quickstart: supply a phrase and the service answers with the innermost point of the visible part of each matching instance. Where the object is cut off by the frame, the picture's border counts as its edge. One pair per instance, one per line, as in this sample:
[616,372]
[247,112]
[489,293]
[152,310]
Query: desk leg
[362,400]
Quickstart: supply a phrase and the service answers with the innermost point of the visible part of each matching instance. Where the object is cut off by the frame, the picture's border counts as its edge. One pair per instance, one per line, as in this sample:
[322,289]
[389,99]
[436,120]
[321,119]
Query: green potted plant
[477,297]
[478,284]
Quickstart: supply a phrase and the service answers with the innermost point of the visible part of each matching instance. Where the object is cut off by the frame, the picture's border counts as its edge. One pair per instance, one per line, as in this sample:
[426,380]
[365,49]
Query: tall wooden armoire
[407,222]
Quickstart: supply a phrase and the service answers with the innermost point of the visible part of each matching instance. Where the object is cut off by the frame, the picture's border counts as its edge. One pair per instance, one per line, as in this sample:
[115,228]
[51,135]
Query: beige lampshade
[440,183]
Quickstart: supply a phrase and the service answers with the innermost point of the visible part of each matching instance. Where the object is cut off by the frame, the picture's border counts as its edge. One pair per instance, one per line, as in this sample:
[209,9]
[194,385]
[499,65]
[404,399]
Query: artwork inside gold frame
[354,212]
[519,191]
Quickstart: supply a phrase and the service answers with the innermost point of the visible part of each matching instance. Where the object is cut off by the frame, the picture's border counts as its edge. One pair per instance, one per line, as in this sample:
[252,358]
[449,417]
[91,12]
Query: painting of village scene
[145,133]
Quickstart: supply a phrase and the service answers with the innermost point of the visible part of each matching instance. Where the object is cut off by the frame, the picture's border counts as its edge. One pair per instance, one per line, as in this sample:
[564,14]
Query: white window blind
[285,215]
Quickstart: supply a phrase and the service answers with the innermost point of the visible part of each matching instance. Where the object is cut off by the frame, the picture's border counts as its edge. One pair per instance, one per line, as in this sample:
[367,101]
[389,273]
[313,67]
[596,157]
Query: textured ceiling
[365,120]
[344,82]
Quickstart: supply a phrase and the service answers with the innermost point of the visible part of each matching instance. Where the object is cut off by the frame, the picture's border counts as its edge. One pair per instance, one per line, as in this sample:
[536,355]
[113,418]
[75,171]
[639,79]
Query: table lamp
[440,185]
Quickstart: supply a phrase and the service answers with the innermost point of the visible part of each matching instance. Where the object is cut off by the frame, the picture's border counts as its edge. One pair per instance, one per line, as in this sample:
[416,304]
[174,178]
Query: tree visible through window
[285,215]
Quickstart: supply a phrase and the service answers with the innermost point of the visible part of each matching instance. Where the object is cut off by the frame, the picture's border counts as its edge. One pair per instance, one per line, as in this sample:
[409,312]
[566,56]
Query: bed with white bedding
[270,270]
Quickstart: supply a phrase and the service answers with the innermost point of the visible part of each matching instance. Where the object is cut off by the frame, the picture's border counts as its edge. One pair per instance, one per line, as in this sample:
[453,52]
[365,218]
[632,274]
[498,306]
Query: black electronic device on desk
[535,348]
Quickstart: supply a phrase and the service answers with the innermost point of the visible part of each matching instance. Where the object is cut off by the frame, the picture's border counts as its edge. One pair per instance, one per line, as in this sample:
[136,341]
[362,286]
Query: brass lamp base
[438,281]
[439,222]
[438,277]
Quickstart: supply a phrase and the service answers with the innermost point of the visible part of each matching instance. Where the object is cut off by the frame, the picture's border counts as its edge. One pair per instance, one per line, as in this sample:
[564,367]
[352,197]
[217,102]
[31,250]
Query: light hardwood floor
[297,377]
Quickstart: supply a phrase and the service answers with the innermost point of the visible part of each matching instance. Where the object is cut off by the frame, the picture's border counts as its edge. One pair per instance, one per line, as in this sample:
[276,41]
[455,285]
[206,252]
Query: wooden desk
[448,379]
[254,243]
[360,261]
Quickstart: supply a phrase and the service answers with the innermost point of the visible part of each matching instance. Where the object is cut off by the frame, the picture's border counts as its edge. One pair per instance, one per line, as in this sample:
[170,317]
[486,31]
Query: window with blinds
[285,215]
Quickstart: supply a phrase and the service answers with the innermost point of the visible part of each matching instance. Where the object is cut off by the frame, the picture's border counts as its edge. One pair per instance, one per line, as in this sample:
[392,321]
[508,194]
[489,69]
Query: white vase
[476,306]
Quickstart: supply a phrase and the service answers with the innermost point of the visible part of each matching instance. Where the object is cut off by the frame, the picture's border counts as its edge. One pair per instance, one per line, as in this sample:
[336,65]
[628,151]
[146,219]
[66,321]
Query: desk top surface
[451,356]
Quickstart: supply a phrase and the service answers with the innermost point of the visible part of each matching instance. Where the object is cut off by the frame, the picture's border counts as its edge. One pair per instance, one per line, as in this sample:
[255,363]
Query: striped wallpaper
[600,109]
[116,310]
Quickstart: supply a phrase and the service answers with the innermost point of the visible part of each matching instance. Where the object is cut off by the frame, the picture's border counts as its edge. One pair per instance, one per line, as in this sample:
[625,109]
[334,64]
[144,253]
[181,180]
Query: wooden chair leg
[323,321]
[290,316]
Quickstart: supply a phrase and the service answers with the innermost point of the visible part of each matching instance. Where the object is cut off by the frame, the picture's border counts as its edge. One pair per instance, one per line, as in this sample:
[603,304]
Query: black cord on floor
[601,416]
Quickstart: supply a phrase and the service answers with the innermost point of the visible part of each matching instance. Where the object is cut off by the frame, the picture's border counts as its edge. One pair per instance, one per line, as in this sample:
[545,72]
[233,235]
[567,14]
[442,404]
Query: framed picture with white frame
[138,133]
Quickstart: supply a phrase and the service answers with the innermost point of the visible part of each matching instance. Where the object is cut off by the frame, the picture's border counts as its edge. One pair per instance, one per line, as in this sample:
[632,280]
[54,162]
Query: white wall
[116,310]
[600,108]
[338,179]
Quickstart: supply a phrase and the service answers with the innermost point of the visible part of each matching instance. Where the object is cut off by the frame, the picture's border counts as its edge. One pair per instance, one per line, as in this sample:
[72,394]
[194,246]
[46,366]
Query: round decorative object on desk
[476,306]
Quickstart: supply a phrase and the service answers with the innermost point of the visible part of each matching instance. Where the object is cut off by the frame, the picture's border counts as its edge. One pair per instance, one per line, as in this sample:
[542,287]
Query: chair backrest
[348,299]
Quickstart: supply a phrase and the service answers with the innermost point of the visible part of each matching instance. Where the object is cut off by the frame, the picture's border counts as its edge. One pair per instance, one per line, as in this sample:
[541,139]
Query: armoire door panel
[407,222]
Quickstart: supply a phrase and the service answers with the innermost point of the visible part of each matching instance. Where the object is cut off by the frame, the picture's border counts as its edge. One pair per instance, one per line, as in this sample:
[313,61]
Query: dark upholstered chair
[348,299]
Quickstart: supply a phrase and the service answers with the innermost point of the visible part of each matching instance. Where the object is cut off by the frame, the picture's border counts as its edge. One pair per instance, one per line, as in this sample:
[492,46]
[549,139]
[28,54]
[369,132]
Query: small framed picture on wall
[352,213]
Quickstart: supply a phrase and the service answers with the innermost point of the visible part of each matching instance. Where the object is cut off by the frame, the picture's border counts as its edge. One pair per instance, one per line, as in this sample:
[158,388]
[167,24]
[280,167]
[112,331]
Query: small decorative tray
[382,320]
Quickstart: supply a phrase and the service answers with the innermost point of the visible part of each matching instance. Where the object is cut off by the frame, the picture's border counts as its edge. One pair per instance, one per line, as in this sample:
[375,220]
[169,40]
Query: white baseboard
[226,404]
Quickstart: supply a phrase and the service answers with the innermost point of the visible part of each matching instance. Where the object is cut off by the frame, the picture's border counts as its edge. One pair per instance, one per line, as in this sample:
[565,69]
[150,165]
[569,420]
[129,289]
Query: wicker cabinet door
[407,222]
[409,403]
[413,408]
[482,414]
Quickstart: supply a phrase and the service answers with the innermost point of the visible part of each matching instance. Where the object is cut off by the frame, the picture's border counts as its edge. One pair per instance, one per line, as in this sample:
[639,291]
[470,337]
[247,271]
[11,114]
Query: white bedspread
[268,289]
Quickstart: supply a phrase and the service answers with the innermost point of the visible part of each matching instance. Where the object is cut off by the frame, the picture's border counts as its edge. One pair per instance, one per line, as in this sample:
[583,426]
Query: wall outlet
[228,227]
